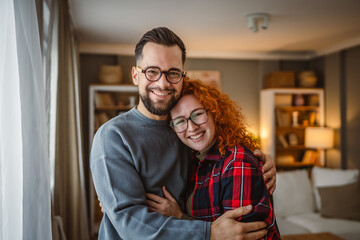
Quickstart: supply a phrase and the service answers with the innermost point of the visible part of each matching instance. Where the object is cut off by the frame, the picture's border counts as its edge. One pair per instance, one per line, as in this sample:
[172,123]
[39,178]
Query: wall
[239,79]
[332,106]
[352,98]
[342,98]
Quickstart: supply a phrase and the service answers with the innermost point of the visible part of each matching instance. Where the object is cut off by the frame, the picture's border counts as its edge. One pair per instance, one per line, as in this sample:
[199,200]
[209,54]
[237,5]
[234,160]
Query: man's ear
[135,76]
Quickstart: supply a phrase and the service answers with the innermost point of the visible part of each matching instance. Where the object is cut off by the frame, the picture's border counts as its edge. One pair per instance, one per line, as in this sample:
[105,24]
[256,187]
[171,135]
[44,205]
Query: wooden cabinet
[106,102]
[285,113]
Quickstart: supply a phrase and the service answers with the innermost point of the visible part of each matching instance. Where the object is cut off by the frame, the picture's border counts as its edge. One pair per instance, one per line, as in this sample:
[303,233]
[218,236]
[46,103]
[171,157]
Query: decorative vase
[299,100]
[307,79]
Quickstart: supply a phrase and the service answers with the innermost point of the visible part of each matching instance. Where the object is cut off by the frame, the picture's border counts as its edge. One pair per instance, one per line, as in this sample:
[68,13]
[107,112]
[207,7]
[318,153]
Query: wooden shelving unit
[285,113]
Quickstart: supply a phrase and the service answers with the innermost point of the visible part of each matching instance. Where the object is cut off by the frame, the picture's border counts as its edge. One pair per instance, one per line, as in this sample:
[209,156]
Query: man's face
[158,98]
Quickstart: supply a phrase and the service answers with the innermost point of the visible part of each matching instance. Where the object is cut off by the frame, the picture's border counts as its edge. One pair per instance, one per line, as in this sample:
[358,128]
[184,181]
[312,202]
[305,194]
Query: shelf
[296,90]
[278,117]
[286,129]
[298,108]
[292,148]
[294,165]
[291,128]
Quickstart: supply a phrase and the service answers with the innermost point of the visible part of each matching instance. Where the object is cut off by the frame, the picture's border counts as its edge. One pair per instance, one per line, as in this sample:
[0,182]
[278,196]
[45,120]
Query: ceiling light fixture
[255,18]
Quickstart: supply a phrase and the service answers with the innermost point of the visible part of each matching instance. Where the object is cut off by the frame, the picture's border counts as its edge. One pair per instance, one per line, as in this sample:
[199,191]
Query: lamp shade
[319,137]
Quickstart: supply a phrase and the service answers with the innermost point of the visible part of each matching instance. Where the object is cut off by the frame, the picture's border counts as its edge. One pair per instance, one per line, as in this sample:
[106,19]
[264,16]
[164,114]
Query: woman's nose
[192,126]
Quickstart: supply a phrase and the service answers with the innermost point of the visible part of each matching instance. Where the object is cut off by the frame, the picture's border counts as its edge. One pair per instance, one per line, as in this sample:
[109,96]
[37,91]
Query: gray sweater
[131,155]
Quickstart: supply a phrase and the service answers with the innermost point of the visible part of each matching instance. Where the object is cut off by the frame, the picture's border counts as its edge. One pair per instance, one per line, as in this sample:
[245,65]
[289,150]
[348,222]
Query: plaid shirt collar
[212,154]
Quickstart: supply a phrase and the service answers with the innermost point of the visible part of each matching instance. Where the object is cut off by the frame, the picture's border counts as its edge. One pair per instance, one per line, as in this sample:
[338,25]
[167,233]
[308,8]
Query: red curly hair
[230,126]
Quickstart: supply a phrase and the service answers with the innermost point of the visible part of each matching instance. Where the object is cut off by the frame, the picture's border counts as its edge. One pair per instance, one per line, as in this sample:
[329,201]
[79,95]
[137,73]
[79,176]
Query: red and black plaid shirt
[228,182]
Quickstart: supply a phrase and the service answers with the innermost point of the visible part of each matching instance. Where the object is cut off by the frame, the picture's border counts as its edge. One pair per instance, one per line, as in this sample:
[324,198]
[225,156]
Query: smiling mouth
[158,93]
[197,136]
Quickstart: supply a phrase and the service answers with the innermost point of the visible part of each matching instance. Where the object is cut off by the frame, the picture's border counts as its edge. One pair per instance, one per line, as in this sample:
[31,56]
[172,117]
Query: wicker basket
[280,79]
[110,74]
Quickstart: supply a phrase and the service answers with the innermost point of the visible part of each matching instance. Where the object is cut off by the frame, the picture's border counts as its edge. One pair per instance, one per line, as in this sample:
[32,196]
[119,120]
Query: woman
[225,173]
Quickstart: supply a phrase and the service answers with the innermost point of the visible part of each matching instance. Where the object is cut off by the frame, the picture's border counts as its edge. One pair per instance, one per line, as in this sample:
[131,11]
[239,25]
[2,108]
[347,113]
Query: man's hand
[269,170]
[226,226]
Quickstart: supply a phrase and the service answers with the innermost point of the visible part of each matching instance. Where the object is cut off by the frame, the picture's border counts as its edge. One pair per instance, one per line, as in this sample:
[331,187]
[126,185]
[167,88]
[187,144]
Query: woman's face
[198,137]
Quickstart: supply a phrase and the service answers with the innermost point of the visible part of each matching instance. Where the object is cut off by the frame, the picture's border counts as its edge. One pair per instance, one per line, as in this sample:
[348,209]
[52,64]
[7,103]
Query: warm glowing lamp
[321,138]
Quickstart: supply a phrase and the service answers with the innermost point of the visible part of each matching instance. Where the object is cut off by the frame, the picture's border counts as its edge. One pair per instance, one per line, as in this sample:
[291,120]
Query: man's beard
[158,110]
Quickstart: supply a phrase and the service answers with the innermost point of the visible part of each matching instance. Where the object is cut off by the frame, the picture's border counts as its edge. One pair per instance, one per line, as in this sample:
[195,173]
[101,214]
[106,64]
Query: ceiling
[214,28]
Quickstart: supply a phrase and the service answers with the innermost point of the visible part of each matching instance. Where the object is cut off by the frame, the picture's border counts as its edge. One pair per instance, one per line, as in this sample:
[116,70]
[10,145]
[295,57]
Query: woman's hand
[165,206]
[269,170]
[101,207]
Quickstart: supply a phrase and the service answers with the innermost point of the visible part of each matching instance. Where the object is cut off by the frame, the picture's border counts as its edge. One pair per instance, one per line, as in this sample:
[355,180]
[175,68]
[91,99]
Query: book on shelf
[309,157]
[293,139]
[312,119]
[283,141]
[279,118]
[283,118]
[283,100]
[103,99]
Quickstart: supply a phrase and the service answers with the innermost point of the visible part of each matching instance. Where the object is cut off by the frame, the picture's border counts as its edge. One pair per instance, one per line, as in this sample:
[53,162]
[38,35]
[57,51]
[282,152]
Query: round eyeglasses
[153,74]
[198,116]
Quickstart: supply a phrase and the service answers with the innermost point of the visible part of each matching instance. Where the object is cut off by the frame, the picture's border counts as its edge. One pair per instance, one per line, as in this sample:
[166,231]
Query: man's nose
[163,82]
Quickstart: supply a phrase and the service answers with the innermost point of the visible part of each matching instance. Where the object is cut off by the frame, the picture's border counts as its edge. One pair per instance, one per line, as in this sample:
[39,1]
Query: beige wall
[332,106]
[342,98]
[240,81]
[352,98]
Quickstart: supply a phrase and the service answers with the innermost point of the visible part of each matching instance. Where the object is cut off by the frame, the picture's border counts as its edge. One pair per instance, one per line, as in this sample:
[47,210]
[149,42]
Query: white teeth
[160,93]
[196,136]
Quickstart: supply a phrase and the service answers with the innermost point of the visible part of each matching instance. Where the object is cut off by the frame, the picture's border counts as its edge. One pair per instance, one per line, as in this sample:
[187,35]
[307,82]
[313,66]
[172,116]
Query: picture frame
[211,77]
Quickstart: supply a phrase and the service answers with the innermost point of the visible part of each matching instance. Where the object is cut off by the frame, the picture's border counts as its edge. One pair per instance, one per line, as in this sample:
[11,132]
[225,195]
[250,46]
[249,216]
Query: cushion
[288,228]
[293,193]
[315,223]
[341,201]
[326,177]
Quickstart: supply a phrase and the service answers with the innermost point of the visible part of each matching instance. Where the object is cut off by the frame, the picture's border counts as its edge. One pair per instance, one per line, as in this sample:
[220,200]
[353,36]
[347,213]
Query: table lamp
[321,138]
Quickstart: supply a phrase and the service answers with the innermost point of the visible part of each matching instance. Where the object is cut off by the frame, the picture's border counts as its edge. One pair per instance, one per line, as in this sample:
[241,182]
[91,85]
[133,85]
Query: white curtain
[24,165]
[69,187]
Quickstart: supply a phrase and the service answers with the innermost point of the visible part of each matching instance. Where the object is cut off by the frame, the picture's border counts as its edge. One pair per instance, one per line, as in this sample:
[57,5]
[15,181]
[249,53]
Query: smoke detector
[256,19]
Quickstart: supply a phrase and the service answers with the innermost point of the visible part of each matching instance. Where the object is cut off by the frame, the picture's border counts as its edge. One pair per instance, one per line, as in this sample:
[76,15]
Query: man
[137,152]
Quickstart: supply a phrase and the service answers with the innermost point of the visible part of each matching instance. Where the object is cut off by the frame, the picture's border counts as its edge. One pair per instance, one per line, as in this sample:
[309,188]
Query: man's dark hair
[160,35]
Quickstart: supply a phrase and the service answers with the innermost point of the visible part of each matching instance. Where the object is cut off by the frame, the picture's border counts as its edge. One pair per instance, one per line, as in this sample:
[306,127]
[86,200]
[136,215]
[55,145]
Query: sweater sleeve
[122,195]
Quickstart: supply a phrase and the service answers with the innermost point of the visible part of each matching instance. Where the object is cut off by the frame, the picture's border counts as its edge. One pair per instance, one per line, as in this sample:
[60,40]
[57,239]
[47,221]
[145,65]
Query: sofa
[318,200]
